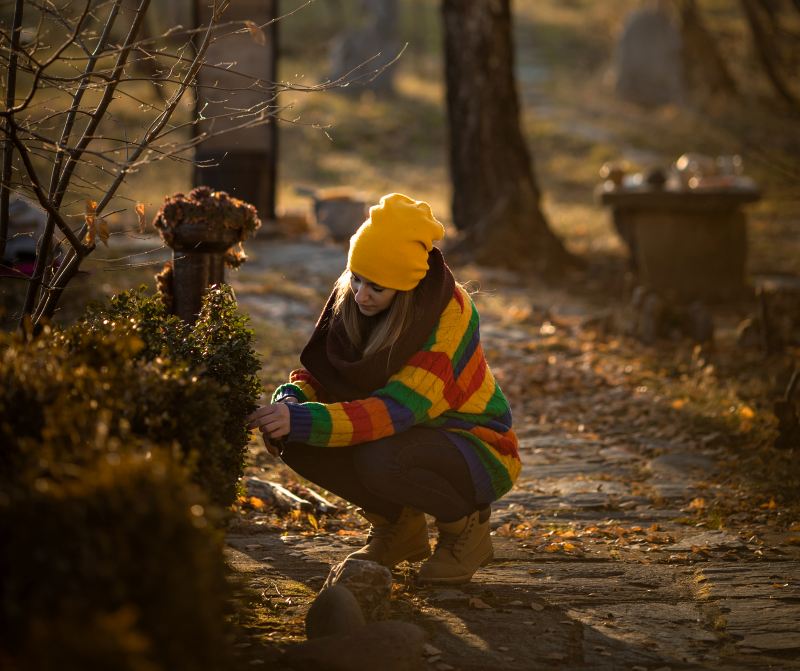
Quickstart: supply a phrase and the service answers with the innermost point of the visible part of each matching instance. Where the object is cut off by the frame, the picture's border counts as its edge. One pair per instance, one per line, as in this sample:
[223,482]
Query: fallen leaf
[256,502]
[102,231]
[90,219]
[140,214]
[256,32]
[698,503]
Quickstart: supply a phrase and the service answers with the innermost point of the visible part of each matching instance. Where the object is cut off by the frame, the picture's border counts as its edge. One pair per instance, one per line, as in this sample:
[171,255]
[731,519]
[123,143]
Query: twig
[8,153]
[277,494]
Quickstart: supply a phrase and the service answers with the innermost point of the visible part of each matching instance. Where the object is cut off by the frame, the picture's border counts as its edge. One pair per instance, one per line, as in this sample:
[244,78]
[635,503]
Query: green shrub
[115,568]
[225,354]
[127,370]
[108,559]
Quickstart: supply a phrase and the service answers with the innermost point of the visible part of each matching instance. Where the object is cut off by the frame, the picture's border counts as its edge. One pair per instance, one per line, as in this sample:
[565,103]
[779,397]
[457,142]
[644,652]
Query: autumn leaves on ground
[631,452]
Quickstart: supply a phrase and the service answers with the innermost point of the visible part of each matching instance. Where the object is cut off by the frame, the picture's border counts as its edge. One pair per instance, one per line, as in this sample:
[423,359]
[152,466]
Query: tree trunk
[759,16]
[495,195]
[705,67]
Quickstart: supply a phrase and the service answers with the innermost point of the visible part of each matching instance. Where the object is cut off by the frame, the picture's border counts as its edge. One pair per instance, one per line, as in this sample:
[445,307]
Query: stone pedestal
[198,263]
[688,244]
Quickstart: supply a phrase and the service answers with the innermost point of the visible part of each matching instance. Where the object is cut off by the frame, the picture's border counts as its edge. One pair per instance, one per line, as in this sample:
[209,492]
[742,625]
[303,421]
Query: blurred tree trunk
[766,32]
[495,194]
[705,68]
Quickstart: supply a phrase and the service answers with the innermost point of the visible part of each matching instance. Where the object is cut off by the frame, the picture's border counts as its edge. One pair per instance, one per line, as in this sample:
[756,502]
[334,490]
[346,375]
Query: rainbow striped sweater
[447,385]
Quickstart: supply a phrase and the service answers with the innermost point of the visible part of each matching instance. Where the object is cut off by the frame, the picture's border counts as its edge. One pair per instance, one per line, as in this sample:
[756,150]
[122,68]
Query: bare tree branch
[75,119]
[46,64]
[43,257]
[8,154]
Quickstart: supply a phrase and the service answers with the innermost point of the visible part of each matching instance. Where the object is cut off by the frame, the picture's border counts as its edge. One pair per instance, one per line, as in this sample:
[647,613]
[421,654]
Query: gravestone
[648,59]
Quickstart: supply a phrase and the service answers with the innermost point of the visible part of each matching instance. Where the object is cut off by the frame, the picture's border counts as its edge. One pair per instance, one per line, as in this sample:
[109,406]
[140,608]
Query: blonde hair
[395,321]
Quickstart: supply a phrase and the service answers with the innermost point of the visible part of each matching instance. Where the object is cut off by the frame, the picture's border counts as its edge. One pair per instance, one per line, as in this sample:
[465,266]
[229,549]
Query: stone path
[598,561]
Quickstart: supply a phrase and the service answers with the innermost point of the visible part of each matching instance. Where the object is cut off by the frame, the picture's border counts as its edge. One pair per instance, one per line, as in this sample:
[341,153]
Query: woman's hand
[272,420]
[272,449]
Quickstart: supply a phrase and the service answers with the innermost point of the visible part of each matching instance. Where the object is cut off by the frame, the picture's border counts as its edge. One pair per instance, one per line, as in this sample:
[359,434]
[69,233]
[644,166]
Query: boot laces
[452,541]
[381,532]
[447,542]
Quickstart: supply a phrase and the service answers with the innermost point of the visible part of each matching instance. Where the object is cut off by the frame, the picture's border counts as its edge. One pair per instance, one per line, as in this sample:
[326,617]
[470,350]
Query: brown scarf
[340,367]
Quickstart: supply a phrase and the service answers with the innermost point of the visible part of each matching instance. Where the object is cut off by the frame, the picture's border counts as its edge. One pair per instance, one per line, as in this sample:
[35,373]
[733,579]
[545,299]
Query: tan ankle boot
[390,543]
[463,546]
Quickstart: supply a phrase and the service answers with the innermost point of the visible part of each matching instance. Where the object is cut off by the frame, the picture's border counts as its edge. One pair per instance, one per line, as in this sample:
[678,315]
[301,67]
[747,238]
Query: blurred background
[598,83]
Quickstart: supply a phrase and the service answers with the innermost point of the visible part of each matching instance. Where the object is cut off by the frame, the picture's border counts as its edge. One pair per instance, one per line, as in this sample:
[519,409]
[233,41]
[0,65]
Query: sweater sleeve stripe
[408,403]
[289,389]
[499,474]
[308,383]
[504,443]
[465,355]
[478,376]
[497,404]
[469,334]
[361,417]
[439,364]
[321,423]
[480,401]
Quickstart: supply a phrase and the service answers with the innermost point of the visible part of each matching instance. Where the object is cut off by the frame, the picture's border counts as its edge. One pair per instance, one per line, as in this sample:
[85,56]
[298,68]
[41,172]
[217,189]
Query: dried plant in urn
[202,229]
[207,220]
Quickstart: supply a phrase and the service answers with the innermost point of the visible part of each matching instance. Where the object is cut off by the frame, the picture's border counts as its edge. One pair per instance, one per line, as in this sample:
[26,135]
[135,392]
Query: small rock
[537,606]
[369,582]
[713,540]
[428,650]
[515,603]
[334,611]
[441,666]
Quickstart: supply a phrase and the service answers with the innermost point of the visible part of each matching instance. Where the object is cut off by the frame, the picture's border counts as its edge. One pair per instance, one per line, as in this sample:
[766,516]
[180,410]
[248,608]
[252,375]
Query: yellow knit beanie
[391,247]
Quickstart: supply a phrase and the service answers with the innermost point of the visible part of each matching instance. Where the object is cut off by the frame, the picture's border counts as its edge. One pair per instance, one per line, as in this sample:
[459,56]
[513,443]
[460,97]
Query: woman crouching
[395,408]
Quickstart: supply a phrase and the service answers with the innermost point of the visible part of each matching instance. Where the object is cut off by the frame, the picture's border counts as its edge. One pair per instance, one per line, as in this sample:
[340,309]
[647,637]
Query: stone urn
[202,229]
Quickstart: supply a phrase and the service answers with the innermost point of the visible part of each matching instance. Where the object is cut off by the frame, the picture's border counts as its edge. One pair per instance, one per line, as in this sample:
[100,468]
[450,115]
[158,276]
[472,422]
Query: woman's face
[371,298]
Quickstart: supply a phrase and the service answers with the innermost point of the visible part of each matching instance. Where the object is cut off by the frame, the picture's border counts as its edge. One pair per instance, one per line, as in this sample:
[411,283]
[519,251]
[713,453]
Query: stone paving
[597,565]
